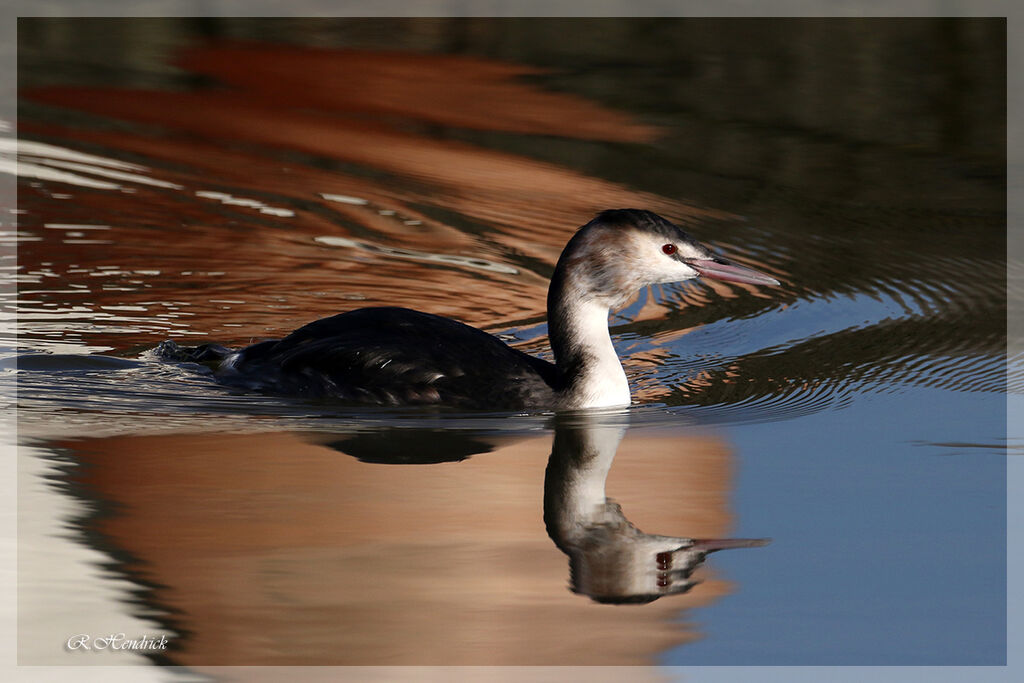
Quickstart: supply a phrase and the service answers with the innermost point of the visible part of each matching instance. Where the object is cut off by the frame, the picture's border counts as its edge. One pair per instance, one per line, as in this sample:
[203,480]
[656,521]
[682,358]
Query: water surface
[230,180]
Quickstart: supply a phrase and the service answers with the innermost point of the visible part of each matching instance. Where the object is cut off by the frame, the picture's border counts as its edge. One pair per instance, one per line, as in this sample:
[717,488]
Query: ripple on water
[818,352]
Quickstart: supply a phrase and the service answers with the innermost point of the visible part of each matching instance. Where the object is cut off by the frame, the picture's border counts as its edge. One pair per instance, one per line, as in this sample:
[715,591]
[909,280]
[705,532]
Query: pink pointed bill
[720,269]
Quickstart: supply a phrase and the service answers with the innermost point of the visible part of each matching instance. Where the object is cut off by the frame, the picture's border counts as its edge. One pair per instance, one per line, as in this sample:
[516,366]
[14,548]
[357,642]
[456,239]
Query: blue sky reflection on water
[918,575]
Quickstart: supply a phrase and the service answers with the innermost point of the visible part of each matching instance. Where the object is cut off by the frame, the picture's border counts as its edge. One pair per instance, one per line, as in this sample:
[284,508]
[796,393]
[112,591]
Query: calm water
[230,180]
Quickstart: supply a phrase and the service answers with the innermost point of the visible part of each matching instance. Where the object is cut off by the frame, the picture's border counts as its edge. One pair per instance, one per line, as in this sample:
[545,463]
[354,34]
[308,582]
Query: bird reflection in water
[610,559]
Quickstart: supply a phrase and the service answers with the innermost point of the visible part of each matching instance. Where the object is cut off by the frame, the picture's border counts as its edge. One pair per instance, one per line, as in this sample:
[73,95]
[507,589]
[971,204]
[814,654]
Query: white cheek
[686,272]
[670,270]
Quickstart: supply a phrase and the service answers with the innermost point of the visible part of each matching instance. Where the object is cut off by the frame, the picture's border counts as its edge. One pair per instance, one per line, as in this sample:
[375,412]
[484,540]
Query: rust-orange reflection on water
[461,91]
[270,549]
[257,247]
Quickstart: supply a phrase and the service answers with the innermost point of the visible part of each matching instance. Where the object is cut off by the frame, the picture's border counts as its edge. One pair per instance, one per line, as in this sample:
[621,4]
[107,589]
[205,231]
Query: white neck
[601,381]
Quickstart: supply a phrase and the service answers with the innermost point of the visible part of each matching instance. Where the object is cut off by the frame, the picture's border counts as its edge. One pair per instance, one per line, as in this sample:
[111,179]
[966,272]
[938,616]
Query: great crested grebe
[398,357]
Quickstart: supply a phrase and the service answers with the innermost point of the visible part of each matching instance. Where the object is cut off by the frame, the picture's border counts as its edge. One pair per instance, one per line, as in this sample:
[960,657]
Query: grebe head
[623,250]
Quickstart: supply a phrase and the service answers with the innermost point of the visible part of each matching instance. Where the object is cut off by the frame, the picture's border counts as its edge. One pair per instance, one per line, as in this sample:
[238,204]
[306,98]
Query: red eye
[669,249]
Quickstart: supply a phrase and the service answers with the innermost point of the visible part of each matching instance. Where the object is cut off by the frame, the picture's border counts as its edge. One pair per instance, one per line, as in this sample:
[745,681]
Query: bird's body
[397,356]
